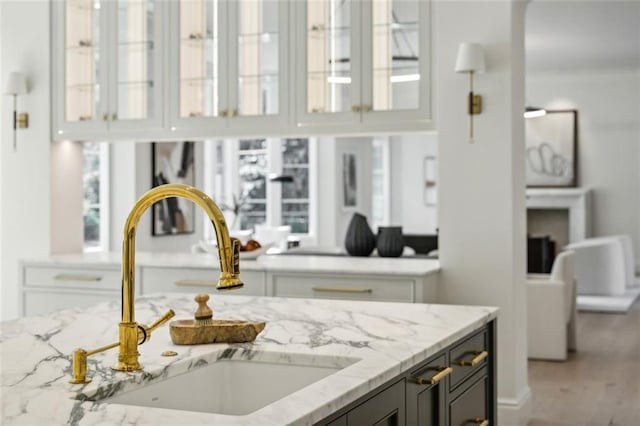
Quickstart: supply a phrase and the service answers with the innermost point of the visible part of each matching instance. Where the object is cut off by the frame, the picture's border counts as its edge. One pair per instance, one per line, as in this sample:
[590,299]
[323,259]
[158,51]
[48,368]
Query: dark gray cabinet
[455,387]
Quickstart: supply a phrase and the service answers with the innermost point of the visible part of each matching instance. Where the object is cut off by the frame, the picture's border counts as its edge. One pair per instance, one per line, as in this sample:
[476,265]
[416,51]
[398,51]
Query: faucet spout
[228,249]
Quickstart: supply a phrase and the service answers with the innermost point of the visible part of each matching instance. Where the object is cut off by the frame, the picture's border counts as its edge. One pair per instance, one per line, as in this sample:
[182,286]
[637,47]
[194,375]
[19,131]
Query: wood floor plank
[599,385]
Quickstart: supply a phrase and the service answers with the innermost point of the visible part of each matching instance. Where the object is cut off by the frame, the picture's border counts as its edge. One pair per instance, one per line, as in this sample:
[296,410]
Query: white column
[482,186]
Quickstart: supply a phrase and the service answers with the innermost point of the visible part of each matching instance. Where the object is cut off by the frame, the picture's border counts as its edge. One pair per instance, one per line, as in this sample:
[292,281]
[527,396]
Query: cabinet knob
[114,117]
[367,108]
[105,117]
[223,113]
[233,113]
[356,108]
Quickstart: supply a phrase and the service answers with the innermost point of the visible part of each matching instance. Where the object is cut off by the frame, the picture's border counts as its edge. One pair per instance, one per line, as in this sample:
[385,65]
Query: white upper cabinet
[107,68]
[365,62]
[168,69]
[228,65]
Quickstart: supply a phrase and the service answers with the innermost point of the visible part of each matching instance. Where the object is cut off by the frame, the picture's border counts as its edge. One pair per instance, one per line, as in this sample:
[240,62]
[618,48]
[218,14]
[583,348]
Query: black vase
[359,240]
[390,241]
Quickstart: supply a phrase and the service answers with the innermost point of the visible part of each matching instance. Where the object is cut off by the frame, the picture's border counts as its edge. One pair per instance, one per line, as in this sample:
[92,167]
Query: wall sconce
[471,60]
[17,85]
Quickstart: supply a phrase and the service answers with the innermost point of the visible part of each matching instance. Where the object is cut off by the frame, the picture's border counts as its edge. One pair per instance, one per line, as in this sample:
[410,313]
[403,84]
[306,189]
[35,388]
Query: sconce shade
[470,58]
[16,84]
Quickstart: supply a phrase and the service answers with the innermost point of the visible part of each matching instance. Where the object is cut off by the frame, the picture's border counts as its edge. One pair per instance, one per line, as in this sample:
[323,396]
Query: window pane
[295,151]
[91,187]
[299,188]
[252,170]
[296,215]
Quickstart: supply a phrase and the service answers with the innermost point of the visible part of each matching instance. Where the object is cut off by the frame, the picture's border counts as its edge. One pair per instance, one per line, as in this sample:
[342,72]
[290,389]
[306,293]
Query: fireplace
[555,218]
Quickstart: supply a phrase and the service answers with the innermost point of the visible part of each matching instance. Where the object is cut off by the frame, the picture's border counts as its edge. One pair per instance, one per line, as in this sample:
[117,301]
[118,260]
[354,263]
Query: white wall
[608,104]
[24,46]
[67,206]
[481,210]
[408,183]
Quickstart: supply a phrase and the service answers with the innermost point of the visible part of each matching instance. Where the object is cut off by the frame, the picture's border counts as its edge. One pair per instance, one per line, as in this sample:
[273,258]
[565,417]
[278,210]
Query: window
[262,181]
[95,189]
[380,182]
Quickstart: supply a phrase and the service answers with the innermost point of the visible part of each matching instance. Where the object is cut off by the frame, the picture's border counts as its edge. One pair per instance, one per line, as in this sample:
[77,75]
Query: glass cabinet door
[136,85]
[396,60]
[332,64]
[82,88]
[254,59]
[200,58]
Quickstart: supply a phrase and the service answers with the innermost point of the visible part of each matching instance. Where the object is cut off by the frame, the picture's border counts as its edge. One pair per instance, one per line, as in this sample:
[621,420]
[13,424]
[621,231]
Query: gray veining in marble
[381,340]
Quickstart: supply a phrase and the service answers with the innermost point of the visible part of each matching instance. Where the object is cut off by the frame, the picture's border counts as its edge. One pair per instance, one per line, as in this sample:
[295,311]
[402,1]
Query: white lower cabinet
[50,288]
[46,288]
[379,288]
[197,280]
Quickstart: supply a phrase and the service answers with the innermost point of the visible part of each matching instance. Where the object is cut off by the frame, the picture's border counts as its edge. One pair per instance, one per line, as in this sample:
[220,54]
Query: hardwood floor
[600,383]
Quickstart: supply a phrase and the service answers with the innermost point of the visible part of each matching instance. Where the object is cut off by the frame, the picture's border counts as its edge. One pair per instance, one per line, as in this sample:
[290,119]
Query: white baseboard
[515,411]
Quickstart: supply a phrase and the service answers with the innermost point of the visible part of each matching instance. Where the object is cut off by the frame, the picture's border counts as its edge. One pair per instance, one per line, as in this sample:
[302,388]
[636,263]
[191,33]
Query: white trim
[105,194]
[515,411]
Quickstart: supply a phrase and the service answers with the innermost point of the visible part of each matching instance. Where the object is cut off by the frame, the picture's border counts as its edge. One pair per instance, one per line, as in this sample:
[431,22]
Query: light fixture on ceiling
[534,112]
[17,85]
[471,60]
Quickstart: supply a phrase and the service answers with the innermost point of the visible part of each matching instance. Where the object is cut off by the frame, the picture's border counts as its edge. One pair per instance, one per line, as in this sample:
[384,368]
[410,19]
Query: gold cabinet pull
[224,113]
[366,108]
[233,113]
[356,108]
[196,283]
[441,374]
[481,422]
[113,117]
[341,290]
[105,117]
[476,359]
[77,277]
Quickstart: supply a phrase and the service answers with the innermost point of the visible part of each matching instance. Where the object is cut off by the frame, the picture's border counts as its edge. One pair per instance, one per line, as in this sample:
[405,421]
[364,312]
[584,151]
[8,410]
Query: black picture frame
[172,162]
[551,149]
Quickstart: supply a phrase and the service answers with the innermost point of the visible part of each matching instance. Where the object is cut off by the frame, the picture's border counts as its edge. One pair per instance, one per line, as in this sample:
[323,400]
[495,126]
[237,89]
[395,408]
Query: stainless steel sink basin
[232,387]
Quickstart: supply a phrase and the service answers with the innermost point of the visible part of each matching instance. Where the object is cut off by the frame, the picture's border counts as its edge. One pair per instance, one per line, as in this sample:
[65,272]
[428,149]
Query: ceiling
[582,34]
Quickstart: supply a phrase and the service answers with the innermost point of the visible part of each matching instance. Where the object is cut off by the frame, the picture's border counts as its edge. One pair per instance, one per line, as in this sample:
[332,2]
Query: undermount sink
[233,386]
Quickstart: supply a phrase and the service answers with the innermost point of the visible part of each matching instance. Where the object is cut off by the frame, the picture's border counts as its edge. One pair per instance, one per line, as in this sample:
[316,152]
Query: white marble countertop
[385,338]
[267,263]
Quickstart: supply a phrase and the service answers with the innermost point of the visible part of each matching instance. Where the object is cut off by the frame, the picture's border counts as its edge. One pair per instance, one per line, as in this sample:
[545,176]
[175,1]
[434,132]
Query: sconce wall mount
[470,60]
[17,85]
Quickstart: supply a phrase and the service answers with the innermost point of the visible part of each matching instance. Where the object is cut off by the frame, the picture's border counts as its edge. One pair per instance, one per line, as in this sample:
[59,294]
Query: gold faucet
[131,333]
[228,250]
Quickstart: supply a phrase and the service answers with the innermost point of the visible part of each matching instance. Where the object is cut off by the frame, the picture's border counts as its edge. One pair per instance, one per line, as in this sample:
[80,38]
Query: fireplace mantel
[576,200]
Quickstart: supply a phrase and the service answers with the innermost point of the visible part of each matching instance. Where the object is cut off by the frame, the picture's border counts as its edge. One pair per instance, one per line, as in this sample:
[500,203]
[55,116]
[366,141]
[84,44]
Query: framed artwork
[349,181]
[172,162]
[552,149]
[430,172]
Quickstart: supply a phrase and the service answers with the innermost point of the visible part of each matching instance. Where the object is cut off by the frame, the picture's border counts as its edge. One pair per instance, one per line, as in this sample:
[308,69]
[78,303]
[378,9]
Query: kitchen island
[375,347]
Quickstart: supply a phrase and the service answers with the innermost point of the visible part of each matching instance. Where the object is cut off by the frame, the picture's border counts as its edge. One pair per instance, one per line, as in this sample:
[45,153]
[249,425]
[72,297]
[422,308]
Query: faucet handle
[144,332]
[235,246]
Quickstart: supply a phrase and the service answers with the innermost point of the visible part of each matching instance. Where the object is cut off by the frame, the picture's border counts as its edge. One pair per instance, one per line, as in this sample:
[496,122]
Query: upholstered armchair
[551,310]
